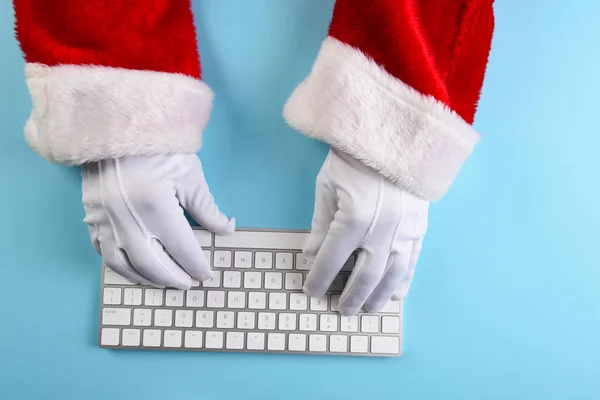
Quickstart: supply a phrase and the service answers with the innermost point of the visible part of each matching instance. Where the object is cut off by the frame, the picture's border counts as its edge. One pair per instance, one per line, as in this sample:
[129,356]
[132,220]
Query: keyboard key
[174,298]
[277,301]
[215,299]
[116,316]
[359,344]
[335,300]
[298,301]
[369,323]
[385,344]
[245,320]
[287,322]
[263,260]
[214,340]
[204,319]
[251,240]
[392,306]
[132,297]
[317,343]
[338,343]
[273,280]
[266,320]
[225,319]
[183,318]
[131,337]
[194,298]
[390,324]
[163,317]
[142,316]
[195,283]
[257,300]
[109,337]
[297,342]
[283,261]
[252,279]
[112,296]
[153,297]
[328,323]
[151,338]
[222,259]
[302,263]
[112,278]
[236,300]
[235,340]
[203,237]
[293,281]
[338,284]
[318,303]
[308,322]
[232,279]
[193,339]
[214,281]
[243,259]
[255,341]
[276,341]
[172,338]
[349,324]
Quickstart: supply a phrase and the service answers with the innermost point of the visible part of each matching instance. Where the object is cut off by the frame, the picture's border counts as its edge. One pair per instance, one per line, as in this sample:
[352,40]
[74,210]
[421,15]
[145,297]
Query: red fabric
[439,47]
[155,35]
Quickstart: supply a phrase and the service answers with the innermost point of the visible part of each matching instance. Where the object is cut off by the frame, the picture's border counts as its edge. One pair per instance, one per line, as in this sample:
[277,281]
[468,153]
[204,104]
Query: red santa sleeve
[396,85]
[111,78]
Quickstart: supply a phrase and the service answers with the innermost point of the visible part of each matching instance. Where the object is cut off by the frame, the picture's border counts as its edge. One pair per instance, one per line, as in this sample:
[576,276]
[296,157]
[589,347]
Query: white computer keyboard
[253,303]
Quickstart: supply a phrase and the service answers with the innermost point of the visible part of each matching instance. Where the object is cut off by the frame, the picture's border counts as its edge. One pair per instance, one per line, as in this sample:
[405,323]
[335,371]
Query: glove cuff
[357,107]
[88,113]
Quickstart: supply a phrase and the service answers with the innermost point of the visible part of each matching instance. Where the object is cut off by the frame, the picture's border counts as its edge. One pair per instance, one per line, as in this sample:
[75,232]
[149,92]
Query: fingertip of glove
[204,276]
[228,228]
[183,285]
[312,292]
[346,313]
[372,309]
[309,254]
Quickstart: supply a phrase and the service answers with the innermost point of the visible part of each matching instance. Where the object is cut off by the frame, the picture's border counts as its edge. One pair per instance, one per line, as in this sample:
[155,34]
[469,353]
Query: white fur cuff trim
[357,107]
[89,113]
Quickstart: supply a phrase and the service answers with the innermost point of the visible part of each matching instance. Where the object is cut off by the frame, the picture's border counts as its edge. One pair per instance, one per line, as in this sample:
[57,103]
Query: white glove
[136,222]
[356,208]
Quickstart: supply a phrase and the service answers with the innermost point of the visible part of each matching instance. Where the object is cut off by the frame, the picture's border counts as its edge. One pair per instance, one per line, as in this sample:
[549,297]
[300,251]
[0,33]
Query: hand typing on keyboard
[136,222]
[357,208]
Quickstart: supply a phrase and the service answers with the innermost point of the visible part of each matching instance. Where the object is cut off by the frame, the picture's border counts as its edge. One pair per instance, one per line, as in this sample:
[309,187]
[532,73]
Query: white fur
[89,113]
[354,105]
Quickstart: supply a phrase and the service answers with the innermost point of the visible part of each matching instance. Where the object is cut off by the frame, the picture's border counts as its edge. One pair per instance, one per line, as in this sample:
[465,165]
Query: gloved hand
[356,208]
[137,225]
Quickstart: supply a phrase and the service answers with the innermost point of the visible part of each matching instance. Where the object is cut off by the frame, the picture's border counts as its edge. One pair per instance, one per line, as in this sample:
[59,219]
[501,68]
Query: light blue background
[505,303]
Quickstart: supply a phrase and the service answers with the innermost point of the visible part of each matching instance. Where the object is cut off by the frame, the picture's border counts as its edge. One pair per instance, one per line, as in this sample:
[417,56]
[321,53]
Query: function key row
[253,239]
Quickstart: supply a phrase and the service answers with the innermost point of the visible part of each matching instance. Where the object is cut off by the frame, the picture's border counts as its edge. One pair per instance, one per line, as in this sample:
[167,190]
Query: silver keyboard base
[377,343]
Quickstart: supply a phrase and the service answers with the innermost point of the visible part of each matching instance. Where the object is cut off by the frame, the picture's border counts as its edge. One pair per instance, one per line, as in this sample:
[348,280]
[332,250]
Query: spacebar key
[264,240]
